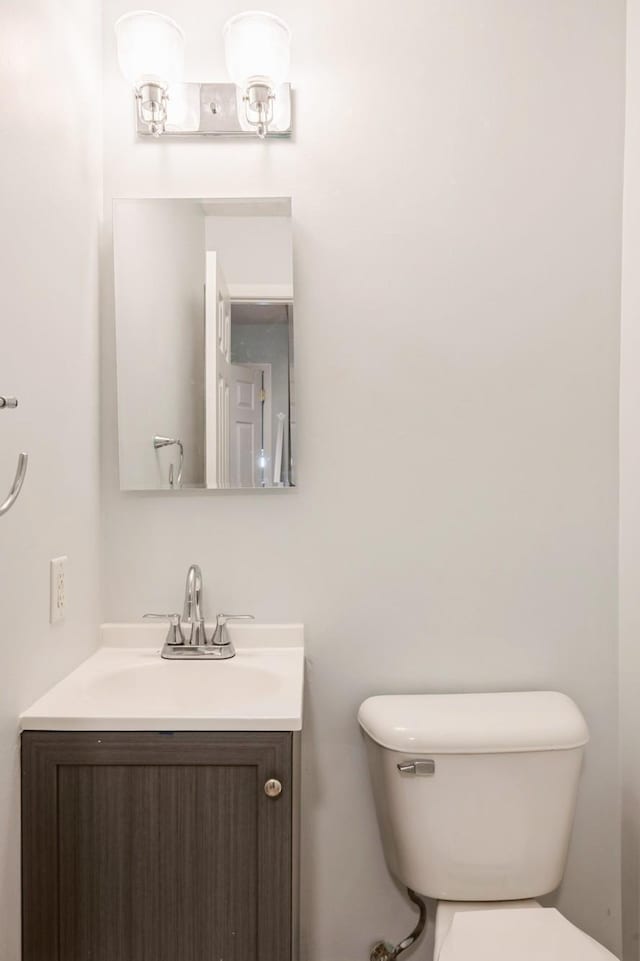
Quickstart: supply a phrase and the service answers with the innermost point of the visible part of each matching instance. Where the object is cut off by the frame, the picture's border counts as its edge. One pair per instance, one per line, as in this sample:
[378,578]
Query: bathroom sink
[221,689]
[127,686]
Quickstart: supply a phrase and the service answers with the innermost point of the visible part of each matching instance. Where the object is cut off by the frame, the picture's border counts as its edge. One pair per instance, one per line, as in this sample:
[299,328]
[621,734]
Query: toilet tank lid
[474,723]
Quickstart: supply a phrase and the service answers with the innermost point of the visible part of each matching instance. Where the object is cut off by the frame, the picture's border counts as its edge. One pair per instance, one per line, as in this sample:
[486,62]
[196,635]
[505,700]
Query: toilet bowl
[475,797]
[511,931]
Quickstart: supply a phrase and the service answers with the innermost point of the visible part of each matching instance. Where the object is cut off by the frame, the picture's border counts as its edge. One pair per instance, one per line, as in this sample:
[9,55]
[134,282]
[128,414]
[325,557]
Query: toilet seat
[518,935]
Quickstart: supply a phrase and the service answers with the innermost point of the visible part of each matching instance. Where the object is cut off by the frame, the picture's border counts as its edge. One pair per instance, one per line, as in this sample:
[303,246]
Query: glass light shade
[150,48]
[257,49]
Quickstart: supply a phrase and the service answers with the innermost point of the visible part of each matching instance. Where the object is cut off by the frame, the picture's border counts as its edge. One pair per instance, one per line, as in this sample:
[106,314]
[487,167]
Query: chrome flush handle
[421,768]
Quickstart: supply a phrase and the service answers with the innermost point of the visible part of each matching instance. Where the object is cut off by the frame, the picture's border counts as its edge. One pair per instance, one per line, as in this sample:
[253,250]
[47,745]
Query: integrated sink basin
[180,689]
[127,686]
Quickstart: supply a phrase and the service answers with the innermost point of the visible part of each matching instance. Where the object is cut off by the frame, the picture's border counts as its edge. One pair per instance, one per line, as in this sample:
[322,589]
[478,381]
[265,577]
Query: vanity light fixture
[257,51]
[151,57]
[258,101]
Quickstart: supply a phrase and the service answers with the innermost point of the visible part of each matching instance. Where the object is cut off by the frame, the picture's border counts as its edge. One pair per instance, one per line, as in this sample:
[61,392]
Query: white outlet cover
[57,589]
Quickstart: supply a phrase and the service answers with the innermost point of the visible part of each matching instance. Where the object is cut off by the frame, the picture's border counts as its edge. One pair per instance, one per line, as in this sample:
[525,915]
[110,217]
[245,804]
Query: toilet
[475,797]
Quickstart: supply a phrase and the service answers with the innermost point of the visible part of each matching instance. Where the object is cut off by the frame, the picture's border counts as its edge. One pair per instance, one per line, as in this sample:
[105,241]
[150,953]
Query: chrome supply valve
[385,951]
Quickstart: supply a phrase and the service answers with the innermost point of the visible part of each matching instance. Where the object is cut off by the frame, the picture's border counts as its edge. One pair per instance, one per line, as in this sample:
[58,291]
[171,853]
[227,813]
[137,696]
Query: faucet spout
[193,612]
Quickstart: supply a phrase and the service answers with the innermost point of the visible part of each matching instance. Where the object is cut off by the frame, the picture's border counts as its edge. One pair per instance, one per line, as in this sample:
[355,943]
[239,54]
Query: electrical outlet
[58,591]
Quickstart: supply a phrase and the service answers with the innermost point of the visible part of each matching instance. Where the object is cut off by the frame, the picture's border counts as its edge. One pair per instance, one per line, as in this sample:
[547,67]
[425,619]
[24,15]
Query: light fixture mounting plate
[216,110]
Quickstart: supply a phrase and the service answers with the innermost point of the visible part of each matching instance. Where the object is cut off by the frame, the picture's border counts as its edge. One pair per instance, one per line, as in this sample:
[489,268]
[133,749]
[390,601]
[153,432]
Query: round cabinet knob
[272,787]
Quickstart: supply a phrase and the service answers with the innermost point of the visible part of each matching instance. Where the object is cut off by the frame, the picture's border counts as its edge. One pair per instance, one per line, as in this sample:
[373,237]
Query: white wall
[159,261]
[254,250]
[457,264]
[50,104]
[630,501]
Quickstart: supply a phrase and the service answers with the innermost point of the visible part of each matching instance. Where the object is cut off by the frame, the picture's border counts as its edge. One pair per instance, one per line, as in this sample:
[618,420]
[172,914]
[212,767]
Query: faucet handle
[222,619]
[175,635]
[220,636]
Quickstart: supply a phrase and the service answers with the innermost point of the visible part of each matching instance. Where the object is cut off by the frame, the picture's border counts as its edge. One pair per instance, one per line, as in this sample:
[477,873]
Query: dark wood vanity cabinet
[157,847]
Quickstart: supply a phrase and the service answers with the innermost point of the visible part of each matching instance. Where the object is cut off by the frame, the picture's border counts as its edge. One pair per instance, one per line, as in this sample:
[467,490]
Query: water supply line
[384,951]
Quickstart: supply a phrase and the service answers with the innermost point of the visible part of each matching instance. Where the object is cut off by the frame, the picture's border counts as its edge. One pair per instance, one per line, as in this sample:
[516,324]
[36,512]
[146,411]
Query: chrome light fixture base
[219,110]
[258,103]
[151,100]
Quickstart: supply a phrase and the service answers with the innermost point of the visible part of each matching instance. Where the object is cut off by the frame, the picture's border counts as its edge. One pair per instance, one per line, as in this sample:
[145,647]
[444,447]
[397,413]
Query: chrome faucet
[187,637]
[192,611]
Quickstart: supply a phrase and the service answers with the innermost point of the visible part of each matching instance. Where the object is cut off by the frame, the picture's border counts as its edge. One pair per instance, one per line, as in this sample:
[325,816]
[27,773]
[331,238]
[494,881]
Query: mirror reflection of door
[247,387]
[248,400]
[260,340]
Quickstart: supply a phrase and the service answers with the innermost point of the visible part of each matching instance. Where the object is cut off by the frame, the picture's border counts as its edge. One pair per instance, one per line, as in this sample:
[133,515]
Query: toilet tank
[475,793]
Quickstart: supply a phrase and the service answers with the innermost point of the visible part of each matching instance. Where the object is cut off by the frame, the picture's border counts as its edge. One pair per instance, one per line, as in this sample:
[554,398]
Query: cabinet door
[156,847]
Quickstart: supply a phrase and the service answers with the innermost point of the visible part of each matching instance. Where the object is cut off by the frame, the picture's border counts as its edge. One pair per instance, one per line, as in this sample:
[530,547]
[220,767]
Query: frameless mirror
[204,343]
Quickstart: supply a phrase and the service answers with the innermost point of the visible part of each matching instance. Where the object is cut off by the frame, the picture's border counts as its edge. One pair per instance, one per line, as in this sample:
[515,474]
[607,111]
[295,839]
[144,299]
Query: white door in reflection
[246,418]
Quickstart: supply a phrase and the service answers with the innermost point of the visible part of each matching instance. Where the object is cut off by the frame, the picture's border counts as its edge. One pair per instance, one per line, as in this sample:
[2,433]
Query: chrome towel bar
[16,487]
[10,403]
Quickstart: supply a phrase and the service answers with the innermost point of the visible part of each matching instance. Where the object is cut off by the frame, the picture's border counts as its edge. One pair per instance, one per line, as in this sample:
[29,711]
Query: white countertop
[127,686]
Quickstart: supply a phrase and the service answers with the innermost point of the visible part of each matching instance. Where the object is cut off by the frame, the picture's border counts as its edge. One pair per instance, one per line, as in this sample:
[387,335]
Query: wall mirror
[204,343]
